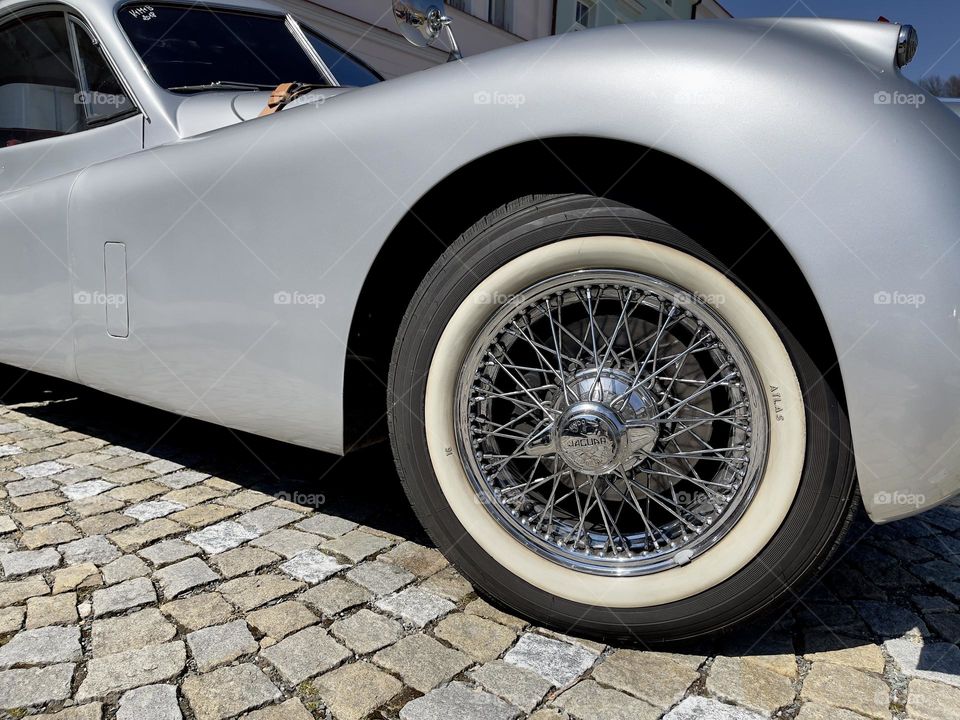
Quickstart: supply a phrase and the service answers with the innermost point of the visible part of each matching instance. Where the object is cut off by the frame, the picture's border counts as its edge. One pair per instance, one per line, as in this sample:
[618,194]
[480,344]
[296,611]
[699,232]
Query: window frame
[76,24]
[338,48]
[509,15]
[73,21]
[296,29]
[591,8]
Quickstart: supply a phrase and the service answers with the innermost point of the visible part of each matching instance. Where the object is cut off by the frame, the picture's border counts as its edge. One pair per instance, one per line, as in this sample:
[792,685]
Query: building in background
[368,30]
[582,14]
[710,10]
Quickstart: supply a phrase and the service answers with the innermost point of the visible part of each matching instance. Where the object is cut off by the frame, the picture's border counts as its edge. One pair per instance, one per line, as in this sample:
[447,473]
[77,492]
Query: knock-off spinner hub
[608,426]
[590,438]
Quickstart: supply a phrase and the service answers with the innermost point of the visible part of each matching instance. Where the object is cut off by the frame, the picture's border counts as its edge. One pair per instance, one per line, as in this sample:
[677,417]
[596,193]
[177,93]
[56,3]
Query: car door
[63,108]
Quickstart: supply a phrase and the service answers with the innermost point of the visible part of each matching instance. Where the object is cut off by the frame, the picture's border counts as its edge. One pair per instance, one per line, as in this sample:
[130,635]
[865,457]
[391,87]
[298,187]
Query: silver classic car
[645,310]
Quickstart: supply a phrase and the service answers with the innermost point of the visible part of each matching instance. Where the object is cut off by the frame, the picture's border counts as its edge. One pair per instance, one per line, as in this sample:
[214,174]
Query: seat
[31,112]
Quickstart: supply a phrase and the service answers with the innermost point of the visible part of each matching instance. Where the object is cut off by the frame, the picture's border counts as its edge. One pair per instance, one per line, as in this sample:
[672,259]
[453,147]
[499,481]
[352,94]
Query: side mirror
[422,22]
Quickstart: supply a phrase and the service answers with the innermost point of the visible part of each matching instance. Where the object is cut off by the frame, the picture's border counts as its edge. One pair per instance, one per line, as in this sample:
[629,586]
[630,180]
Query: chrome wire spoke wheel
[612,422]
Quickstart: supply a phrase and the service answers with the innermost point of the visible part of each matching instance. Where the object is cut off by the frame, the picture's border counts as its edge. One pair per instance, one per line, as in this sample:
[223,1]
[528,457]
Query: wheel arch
[663,185]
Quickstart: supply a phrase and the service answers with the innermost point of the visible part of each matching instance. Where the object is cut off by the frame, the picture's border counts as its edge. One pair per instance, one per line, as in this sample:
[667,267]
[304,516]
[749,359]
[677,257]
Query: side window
[501,14]
[54,80]
[37,81]
[345,68]
[101,93]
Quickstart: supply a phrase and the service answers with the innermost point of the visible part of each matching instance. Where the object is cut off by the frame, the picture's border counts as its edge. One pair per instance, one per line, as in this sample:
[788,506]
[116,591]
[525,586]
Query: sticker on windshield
[143,12]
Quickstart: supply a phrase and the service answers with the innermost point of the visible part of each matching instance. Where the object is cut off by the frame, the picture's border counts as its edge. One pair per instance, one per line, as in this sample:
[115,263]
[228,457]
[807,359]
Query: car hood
[870,44]
[207,111]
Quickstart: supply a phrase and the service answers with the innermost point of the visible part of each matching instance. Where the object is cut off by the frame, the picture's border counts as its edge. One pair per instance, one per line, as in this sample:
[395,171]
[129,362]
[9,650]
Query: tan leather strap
[283,95]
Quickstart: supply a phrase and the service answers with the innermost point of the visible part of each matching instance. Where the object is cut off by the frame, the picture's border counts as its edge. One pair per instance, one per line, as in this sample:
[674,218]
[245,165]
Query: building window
[585,15]
[501,14]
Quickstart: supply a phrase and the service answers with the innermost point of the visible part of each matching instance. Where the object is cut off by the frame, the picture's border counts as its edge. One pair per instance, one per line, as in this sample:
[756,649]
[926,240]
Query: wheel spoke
[521,385]
[592,325]
[663,324]
[557,372]
[610,341]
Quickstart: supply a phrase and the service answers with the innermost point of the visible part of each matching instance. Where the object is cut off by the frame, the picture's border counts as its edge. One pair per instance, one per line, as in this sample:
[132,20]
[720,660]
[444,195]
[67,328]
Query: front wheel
[604,431]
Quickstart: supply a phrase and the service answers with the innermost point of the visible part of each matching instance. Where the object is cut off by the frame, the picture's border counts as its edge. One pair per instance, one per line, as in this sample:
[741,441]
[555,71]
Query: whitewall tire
[605,431]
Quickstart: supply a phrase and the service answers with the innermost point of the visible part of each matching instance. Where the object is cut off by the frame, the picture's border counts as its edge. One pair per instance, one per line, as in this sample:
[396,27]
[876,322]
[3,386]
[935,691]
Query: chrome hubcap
[611,422]
[589,438]
[609,426]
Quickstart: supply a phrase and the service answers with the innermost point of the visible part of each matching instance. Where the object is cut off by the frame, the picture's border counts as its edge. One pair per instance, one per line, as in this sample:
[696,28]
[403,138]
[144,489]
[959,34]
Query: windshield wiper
[222,85]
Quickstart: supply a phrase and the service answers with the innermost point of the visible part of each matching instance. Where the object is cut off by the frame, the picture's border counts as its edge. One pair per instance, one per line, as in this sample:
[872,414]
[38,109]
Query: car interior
[40,94]
[37,82]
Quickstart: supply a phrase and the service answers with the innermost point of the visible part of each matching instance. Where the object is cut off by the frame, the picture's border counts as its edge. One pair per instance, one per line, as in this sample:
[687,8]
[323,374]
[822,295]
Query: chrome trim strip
[293,25]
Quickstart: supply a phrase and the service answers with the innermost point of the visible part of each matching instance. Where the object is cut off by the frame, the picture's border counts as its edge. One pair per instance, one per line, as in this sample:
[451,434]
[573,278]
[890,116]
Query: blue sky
[938,22]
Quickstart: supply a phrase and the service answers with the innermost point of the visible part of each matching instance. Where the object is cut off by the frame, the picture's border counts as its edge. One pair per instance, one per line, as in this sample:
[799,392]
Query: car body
[197,258]
[952,103]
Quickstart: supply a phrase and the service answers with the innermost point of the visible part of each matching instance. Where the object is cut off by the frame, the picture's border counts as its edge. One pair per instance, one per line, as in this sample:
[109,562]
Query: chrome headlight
[907,45]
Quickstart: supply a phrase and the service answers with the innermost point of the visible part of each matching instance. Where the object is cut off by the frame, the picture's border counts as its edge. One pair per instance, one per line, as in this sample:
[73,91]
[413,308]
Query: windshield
[188,48]
[345,68]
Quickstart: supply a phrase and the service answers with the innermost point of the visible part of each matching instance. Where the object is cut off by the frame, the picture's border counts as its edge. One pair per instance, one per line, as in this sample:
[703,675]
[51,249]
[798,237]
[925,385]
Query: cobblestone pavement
[160,568]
